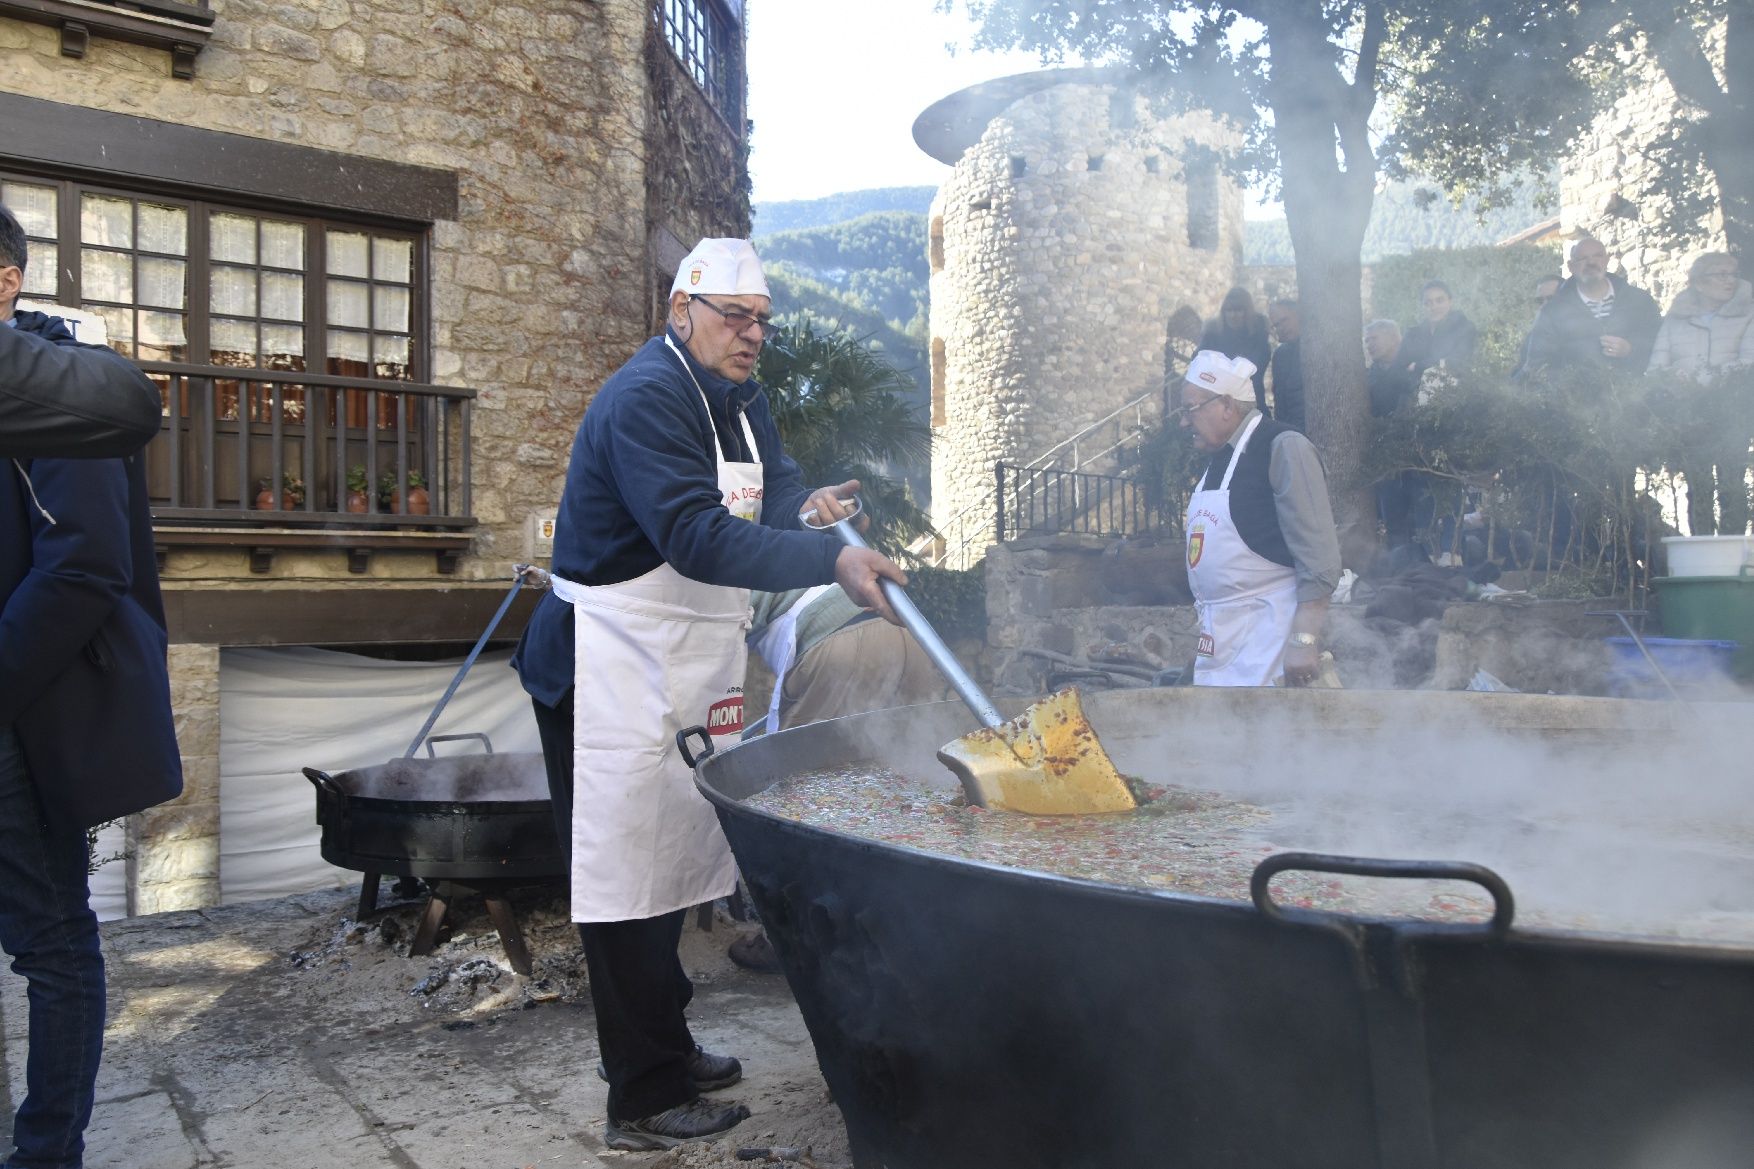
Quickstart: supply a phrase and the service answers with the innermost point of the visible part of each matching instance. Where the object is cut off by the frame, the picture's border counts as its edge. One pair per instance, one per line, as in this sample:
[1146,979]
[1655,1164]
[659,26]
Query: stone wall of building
[1602,189]
[538,288]
[548,113]
[1060,248]
[173,849]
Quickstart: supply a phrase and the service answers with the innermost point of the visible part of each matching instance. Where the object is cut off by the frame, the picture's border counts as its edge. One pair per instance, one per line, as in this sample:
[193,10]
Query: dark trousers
[638,987]
[48,929]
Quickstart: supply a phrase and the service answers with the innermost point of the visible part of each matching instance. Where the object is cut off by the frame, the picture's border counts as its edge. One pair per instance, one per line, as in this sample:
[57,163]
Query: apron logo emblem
[725,717]
[1205,647]
[1196,545]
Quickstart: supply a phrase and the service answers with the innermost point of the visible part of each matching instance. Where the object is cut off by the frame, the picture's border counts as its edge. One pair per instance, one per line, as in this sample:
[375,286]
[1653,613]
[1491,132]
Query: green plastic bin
[1716,608]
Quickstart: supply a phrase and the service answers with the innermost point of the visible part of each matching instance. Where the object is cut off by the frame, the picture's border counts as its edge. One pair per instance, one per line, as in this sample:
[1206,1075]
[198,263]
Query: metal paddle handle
[966,688]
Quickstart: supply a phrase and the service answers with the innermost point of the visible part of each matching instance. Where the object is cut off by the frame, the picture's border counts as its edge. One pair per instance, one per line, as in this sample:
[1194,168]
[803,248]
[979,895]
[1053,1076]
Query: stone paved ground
[282,1034]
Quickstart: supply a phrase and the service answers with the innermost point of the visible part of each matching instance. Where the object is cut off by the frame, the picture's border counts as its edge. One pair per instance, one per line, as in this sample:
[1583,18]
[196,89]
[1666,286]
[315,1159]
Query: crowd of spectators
[1589,320]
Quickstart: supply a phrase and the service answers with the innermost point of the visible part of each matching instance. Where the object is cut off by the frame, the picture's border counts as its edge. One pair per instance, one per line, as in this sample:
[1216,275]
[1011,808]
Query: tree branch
[1683,61]
[1376,29]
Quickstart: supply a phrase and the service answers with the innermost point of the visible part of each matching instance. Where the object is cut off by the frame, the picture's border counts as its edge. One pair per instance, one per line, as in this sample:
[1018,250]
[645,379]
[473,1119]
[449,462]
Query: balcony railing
[270,448]
[1033,500]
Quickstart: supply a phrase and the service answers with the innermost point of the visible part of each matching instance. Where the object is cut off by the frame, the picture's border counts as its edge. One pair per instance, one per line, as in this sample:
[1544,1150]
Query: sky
[835,86]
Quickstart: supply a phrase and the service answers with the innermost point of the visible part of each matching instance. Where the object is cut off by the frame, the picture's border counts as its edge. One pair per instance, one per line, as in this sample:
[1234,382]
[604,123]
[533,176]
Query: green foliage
[953,600]
[1571,446]
[876,261]
[844,412]
[1491,87]
[1406,217]
[1494,286]
[793,214]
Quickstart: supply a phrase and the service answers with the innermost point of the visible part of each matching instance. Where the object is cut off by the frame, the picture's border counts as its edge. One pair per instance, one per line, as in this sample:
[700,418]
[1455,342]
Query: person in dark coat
[1445,338]
[1545,287]
[1240,331]
[1392,384]
[1287,364]
[85,733]
[1596,321]
[71,401]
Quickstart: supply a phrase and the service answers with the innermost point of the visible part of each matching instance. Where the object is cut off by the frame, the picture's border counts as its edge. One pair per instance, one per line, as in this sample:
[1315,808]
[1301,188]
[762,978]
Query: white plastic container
[1709,555]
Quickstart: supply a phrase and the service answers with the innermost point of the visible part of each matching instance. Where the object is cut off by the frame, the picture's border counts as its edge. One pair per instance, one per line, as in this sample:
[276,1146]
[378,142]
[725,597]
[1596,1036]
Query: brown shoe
[755,953]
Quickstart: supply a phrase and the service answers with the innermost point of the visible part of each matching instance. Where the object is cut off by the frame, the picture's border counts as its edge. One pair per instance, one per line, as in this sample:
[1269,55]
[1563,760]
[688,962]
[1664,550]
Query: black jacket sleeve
[71,401]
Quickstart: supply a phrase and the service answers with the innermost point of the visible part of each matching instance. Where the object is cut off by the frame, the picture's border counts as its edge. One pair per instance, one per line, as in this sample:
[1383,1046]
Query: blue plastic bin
[1687,663]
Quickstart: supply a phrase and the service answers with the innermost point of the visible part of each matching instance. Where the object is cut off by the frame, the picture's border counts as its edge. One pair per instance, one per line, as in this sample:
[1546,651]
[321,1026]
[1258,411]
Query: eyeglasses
[740,322]
[1181,412]
[1732,274]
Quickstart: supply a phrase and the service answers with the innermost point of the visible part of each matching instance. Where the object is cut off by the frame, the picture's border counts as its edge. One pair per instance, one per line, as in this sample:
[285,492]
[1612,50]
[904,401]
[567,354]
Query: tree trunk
[1327,208]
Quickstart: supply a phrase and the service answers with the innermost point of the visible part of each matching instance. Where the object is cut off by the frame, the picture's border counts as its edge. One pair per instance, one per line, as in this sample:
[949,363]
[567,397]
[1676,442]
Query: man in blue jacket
[679,499]
[85,734]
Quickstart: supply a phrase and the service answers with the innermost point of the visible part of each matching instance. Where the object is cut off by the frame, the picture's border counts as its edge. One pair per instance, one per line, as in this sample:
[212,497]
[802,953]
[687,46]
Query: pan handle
[689,757]
[1503,905]
[431,739]
[324,783]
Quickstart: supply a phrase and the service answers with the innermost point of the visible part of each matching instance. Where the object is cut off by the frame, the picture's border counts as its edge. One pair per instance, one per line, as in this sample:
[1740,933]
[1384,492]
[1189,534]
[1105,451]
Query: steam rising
[1602,815]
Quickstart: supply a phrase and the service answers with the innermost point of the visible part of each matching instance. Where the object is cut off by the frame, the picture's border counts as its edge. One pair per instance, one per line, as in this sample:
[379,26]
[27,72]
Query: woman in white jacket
[1705,332]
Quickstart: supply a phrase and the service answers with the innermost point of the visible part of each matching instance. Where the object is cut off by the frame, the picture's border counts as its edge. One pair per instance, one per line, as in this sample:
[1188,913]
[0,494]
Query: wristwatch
[1306,640]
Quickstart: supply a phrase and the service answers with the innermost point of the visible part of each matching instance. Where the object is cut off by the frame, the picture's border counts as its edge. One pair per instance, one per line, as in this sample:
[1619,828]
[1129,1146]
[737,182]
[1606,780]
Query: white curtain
[281,710]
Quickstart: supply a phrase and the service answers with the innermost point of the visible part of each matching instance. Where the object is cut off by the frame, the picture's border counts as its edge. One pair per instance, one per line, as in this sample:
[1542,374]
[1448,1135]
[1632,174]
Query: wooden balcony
[261,460]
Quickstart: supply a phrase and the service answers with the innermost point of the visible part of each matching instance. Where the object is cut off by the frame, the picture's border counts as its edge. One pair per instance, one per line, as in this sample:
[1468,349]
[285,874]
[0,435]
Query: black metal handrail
[1047,499]
[274,447]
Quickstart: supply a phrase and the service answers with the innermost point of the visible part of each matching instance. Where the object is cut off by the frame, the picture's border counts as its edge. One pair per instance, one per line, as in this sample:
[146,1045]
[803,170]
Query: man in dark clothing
[1596,321]
[85,731]
[1287,321]
[679,499]
[1445,338]
[1240,331]
[71,401]
[1545,288]
[1392,384]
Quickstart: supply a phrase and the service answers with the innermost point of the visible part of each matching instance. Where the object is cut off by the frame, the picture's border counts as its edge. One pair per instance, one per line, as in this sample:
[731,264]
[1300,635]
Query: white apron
[1246,602]
[778,647]
[652,656]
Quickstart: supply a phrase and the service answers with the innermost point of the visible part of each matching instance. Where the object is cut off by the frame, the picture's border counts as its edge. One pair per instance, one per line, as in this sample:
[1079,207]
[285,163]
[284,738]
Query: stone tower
[1077,224]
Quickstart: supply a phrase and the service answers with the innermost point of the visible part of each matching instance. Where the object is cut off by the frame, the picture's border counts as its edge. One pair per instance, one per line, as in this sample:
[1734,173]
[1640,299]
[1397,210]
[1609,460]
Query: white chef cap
[1211,370]
[722,267]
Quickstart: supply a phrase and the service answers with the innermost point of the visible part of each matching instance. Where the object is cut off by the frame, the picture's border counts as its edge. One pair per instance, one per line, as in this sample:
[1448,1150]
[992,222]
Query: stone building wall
[1060,248]
[538,287]
[1602,187]
[550,114]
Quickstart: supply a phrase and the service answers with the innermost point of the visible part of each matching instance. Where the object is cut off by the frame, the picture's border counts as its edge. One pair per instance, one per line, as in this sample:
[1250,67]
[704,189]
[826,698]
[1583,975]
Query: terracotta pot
[266,500]
[419,503]
[357,502]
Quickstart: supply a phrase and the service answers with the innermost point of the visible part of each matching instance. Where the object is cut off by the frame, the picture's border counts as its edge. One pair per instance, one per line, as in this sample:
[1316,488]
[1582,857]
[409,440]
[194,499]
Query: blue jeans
[48,929]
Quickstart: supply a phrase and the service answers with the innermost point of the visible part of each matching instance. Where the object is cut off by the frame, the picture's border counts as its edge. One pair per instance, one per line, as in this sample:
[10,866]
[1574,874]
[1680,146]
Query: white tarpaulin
[281,710]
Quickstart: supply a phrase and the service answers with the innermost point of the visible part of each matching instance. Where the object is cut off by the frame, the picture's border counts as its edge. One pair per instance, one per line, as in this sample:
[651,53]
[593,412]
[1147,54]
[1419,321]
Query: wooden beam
[345,613]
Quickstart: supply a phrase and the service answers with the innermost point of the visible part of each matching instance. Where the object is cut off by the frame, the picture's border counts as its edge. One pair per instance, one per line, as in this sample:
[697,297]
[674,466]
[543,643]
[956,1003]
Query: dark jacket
[1566,336]
[642,489]
[1391,386]
[1288,385]
[83,681]
[66,400]
[1450,343]
[1250,341]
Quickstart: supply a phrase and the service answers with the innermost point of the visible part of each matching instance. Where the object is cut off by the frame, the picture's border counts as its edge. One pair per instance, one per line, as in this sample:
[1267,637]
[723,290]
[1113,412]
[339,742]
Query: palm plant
[843,413]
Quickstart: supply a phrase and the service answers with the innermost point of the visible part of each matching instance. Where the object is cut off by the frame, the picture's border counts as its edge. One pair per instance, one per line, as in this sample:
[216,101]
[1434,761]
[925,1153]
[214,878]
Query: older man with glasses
[1706,332]
[1263,553]
[1597,320]
[679,499]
